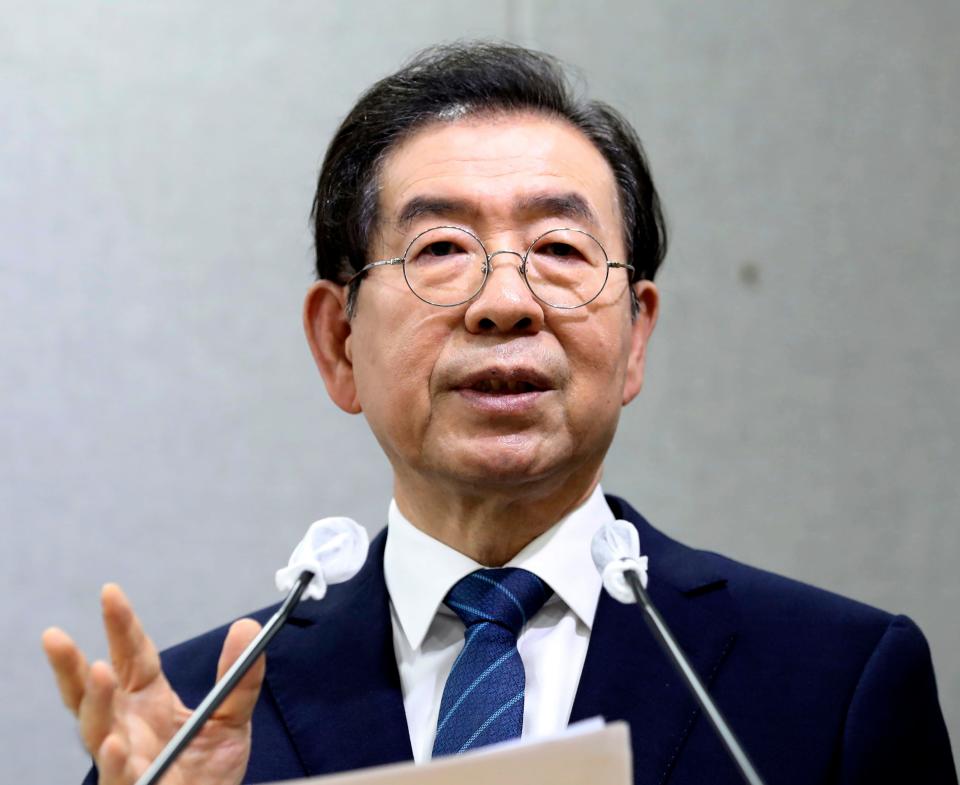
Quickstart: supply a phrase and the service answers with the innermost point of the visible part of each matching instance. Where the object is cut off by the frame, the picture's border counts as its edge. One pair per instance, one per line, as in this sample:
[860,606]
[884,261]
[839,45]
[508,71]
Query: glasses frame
[522,267]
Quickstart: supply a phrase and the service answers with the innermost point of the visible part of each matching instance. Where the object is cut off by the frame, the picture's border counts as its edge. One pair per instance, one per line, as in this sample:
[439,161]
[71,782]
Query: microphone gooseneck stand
[666,640]
[226,684]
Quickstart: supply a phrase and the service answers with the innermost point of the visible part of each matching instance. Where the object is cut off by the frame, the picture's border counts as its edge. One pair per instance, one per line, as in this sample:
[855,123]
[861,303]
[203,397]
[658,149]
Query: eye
[562,250]
[557,252]
[441,248]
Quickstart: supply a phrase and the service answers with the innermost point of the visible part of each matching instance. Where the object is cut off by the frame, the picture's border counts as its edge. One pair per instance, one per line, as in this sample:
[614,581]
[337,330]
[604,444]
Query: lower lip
[502,403]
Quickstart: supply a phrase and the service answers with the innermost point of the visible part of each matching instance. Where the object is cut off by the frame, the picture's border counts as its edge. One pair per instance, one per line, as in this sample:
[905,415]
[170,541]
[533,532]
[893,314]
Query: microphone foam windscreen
[333,549]
[614,540]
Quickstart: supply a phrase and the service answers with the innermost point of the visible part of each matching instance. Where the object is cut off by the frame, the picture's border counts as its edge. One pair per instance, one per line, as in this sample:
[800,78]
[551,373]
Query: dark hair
[448,82]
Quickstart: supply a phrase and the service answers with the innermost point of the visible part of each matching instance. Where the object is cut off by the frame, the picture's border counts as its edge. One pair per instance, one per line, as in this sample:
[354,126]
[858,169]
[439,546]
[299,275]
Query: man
[486,246]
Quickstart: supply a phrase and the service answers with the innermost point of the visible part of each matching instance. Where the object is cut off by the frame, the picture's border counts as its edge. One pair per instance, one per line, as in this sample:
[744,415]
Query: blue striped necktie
[483,698]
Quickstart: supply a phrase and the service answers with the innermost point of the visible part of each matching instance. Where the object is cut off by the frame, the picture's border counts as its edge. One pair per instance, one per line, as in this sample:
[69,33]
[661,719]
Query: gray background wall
[162,424]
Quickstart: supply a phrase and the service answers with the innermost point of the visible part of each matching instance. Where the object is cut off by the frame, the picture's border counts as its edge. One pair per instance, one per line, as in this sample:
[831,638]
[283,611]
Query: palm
[218,753]
[129,712]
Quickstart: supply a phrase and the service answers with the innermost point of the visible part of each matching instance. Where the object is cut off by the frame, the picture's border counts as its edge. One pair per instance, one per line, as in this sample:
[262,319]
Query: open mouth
[504,387]
[501,389]
[511,392]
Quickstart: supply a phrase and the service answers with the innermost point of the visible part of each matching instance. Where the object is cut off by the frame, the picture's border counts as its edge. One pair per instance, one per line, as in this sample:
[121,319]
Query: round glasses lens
[566,268]
[445,266]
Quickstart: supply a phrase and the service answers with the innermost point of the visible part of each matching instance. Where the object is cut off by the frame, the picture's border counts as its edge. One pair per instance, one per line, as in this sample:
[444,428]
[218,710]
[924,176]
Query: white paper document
[587,753]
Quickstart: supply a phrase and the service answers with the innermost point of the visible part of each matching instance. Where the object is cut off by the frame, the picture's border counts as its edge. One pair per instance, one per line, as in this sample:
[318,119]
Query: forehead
[492,171]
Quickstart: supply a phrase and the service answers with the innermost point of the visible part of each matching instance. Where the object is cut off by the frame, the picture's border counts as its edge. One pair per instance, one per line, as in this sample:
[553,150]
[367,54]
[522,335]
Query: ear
[328,333]
[640,331]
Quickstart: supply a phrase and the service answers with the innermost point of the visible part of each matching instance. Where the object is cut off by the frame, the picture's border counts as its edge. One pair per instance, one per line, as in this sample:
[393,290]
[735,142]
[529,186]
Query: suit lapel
[627,676]
[333,674]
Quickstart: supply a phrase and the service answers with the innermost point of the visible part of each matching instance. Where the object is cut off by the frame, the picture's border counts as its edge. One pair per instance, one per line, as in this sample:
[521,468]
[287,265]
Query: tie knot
[506,596]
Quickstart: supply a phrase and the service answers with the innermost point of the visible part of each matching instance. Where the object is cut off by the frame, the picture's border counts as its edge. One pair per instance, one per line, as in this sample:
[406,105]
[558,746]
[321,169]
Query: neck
[491,527]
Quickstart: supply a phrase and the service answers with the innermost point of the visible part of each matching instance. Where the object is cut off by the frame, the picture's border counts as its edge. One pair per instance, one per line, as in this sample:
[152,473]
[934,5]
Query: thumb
[238,707]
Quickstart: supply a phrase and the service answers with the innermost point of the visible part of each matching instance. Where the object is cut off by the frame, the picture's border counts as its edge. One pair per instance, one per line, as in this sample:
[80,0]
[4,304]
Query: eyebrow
[432,206]
[559,205]
[563,205]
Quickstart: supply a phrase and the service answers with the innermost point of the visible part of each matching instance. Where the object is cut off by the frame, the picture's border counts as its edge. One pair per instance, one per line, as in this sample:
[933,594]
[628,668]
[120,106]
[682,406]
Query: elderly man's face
[502,390]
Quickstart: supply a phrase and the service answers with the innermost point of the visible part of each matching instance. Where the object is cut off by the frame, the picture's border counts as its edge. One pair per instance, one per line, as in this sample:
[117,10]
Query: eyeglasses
[447,266]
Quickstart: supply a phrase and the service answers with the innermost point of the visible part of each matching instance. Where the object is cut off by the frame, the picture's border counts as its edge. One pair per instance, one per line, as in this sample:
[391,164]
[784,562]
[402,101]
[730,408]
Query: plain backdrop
[162,422]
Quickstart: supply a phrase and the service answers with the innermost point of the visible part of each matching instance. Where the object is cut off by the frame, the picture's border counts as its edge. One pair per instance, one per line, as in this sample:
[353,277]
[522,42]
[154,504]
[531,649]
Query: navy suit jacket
[820,689]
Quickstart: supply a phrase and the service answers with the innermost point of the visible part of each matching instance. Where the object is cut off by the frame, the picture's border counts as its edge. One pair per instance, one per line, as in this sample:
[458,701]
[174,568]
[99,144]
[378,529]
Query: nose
[505,304]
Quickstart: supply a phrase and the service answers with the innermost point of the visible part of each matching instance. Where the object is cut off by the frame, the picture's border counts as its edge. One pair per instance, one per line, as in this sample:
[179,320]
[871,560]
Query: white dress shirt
[428,636]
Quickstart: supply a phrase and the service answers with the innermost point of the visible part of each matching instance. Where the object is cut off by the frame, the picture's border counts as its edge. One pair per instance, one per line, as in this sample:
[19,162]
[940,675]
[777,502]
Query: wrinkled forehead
[496,170]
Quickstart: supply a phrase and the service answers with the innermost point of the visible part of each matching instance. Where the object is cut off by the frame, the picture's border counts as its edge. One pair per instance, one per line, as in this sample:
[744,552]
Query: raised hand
[128,711]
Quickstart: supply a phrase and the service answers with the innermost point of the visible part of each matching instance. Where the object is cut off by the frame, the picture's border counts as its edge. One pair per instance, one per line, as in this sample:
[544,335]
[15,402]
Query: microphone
[332,551]
[616,553]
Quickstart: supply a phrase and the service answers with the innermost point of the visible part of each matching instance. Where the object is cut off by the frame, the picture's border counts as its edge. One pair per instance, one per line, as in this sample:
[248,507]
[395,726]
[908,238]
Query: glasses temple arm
[366,268]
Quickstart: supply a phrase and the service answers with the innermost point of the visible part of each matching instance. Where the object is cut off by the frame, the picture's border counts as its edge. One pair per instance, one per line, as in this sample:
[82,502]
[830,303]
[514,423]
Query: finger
[238,707]
[68,664]
[96,708]
[135,658]
[113,761]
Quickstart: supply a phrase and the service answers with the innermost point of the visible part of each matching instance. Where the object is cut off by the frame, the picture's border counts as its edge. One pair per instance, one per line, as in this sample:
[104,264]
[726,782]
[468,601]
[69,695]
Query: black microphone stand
[225,686]
[669,644]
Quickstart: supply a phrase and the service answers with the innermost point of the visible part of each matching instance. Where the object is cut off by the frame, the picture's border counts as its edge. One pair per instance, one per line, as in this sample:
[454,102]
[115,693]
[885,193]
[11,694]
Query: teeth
[501,386]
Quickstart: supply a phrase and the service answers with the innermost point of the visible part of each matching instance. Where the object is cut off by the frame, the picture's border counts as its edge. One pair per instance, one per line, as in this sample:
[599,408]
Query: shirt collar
[419,570]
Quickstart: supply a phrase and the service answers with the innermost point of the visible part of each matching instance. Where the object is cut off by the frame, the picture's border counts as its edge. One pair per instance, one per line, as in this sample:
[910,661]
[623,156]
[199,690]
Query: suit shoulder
[784,600]
[191,666]
[763,598]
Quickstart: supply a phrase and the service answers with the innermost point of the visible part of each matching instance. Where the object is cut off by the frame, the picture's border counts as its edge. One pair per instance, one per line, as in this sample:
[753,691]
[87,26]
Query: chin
[506,460]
